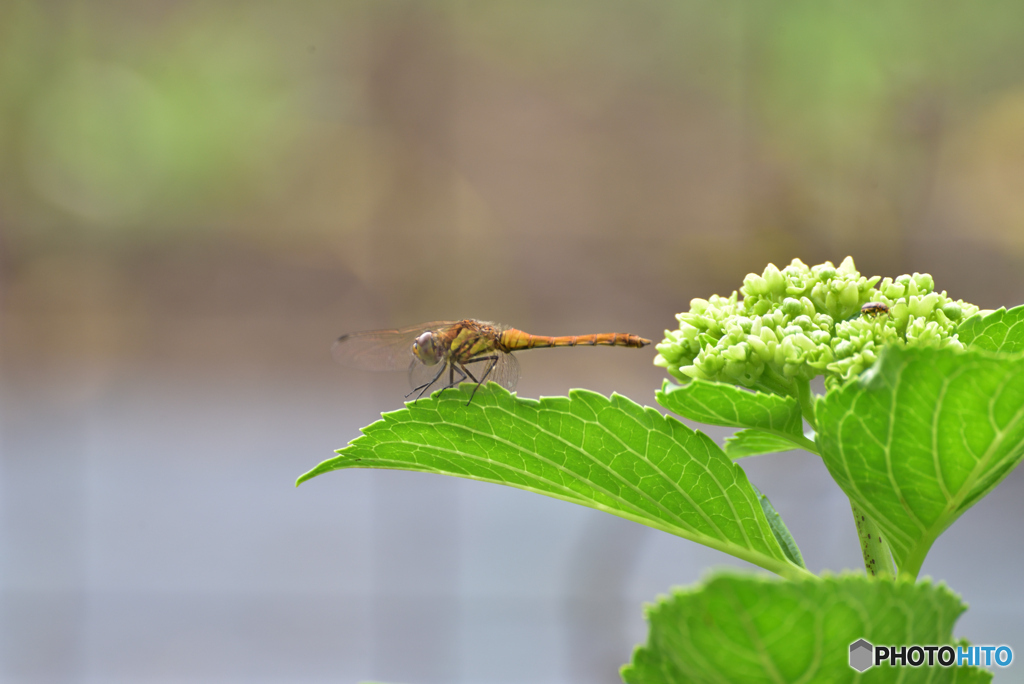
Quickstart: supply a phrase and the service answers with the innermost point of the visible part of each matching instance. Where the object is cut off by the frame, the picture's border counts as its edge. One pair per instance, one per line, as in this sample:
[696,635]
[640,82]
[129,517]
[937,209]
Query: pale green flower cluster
[801,322]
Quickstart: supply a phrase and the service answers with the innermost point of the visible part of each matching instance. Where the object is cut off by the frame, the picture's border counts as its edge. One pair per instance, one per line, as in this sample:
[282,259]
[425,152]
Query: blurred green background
[387,162]
[203,195]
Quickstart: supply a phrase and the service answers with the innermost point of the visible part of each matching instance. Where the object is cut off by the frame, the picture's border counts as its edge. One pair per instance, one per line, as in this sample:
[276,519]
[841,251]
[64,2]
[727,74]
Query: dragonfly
[429,349]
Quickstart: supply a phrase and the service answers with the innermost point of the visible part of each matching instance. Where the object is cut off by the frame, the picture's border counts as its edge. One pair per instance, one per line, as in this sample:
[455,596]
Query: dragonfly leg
[483,378]
[425,386]
[452,382]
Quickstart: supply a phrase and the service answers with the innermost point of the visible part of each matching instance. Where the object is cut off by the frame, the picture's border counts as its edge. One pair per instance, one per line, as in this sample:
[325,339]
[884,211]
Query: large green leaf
[606,453]
[997,331]
[741,628]
[923,435]
[717,403]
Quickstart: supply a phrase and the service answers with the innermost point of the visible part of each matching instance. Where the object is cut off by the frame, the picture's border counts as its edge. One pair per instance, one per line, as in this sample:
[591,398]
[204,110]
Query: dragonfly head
[427,349]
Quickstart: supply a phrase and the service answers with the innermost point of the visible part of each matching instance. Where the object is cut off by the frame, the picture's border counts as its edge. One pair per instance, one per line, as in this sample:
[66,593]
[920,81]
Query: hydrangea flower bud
[800,322]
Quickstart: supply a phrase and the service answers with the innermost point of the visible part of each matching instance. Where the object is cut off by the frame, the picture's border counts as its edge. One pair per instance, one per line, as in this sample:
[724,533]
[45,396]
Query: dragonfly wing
[382,350]
[506,372]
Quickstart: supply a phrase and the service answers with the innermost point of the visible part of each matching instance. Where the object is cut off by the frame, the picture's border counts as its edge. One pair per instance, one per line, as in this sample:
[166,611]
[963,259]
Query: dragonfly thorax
[426,349]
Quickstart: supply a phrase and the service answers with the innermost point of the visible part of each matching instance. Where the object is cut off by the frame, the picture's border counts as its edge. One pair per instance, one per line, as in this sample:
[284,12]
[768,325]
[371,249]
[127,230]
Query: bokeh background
[197,198]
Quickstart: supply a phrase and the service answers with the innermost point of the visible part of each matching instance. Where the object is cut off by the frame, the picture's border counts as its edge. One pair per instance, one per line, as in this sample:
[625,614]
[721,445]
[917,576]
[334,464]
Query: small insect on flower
[874,309]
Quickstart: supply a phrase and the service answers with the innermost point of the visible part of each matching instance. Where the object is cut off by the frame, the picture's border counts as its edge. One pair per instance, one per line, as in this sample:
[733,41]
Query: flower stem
[806,397]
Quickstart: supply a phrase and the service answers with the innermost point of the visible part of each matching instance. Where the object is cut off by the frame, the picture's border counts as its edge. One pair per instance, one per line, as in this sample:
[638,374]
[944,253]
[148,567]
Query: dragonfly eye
[425,349]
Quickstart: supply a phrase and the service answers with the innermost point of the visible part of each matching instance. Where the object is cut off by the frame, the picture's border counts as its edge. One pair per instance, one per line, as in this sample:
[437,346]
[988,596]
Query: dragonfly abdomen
[513,339]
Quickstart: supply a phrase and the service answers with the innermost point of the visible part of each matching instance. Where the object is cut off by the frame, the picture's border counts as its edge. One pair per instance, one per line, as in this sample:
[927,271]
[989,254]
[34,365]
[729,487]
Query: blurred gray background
[197,198]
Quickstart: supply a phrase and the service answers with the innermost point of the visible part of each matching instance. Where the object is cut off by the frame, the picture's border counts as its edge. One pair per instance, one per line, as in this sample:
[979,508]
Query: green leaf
[998,331]
[756,443]
[718,403]
[781,532]
[921,437]
[742,628]
[606,453]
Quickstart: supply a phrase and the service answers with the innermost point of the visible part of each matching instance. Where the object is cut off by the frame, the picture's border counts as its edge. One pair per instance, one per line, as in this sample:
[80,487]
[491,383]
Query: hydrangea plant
[922,416]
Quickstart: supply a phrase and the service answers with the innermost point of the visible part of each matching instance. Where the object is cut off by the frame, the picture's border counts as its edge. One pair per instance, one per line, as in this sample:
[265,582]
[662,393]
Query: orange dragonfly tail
[512,340]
